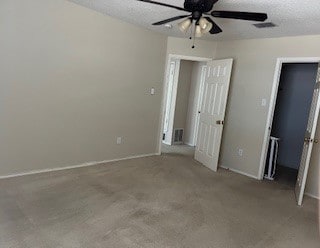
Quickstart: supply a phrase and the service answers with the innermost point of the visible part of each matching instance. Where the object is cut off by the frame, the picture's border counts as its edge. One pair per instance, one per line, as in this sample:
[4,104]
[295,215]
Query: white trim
[267,133]
[164,88]
[87,164]
[192,58]
[312,196]
[189,144]
[169,134]
[239,172]
[272,104]
[166,143]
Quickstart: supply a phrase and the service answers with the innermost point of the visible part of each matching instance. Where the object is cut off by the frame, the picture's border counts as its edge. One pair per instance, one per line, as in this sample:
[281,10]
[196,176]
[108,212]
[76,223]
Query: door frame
[168,138]
[272,104]
[165,91]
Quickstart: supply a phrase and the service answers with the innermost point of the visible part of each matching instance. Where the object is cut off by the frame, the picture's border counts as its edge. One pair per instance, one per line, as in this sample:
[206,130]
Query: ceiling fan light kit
[185,25]
[198,32]
[205,25]
[200,15]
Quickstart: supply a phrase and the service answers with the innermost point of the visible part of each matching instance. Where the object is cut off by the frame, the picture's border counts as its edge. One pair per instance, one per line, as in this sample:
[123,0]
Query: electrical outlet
[119,140]
[240,152]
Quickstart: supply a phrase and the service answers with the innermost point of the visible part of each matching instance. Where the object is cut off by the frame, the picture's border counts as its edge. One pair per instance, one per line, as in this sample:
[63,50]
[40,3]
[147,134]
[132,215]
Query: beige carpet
[161,201]
[182,150]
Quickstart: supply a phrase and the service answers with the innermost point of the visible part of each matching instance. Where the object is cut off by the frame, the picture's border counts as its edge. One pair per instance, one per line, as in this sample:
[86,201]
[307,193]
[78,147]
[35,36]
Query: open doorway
[184,90]
[293,122]
[290,120]
[203,107]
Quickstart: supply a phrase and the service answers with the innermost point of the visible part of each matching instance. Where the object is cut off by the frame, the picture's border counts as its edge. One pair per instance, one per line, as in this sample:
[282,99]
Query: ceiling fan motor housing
[199,5]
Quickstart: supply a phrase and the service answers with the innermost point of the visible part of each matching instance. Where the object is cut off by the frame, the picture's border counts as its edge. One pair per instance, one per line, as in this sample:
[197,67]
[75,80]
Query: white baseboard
[93,163]
[239,172]
[312,196]
[166,143]
[189,144]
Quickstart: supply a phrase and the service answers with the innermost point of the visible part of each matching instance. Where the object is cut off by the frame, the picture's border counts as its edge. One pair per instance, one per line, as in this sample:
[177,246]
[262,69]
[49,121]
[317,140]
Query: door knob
[316,141]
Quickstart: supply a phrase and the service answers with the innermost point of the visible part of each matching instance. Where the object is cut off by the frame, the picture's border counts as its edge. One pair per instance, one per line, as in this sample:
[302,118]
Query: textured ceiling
[292,17]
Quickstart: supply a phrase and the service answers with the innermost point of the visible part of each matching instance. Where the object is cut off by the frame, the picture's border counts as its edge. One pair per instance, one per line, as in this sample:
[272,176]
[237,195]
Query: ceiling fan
[200,16]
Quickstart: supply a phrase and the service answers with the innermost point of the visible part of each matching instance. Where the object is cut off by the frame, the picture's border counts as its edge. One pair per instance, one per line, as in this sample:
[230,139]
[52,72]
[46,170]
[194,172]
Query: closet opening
[293,125]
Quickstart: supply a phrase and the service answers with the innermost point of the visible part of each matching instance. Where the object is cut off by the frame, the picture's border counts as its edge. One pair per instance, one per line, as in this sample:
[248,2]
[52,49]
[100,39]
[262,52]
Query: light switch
[263,102]
[152,91]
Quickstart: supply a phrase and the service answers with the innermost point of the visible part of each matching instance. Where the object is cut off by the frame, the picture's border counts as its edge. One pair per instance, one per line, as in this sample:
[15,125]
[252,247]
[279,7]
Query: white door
[196,127]
[308,142]
[214,101]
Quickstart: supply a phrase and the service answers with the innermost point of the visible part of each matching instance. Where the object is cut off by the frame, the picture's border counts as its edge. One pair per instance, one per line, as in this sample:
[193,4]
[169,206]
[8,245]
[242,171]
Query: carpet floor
[159,201]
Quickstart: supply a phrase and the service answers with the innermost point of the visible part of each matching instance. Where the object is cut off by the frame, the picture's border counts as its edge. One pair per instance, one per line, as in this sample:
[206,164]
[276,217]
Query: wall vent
[178,136]
[265,25]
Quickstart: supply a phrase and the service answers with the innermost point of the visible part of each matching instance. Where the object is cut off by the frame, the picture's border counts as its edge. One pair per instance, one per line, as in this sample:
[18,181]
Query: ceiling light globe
[203,22]
[205,25]
[198,33]
[185,25]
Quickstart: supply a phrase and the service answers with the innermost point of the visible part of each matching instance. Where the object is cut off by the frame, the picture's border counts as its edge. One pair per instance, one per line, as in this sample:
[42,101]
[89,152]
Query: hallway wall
[183,92]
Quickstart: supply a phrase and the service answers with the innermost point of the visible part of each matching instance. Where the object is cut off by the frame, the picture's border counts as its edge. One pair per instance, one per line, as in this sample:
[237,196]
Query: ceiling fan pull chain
[194,35]
[191,32]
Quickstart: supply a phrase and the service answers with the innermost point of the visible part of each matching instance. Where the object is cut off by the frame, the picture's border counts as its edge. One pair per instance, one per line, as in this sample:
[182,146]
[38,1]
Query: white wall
[193,102]
[72,80]
[182,97]
[252,79]
[182,46]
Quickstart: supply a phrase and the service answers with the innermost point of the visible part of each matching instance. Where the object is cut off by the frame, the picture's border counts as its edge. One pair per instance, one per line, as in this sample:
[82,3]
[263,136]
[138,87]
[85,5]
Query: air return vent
[178,136]
[265,25]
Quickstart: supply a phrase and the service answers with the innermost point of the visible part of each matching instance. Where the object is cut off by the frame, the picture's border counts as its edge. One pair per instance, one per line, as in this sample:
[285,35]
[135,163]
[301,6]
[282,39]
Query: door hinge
[307,140]
[220,122]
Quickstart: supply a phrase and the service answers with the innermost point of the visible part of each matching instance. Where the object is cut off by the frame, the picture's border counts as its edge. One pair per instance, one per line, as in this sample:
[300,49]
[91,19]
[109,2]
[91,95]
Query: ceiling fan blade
[215,28]
[249,16]
[163,4]
[170,20]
